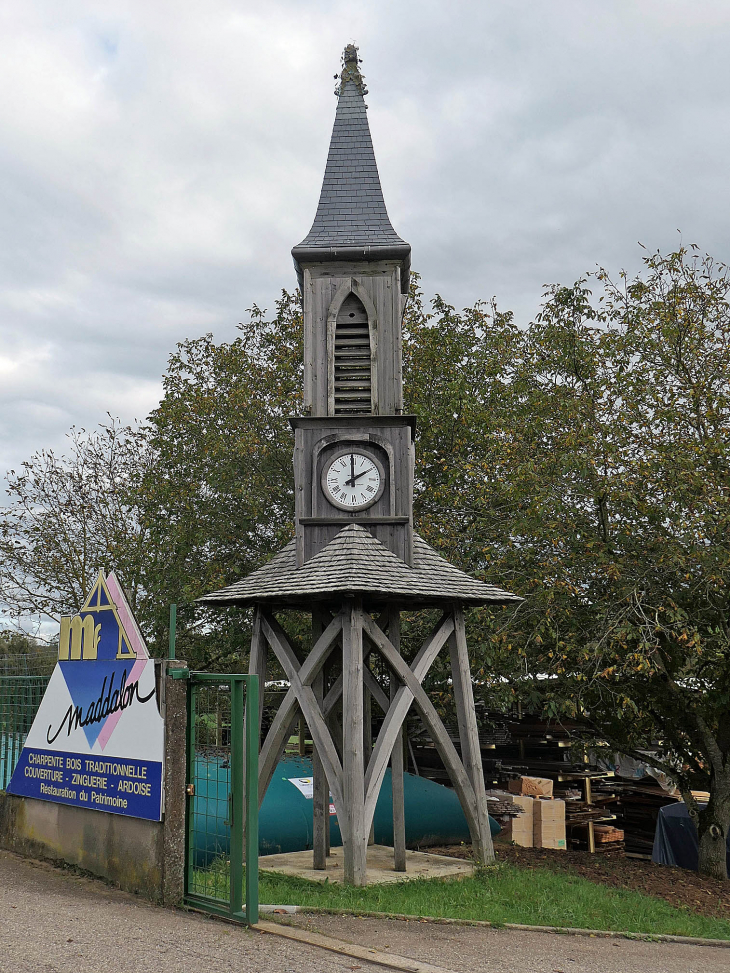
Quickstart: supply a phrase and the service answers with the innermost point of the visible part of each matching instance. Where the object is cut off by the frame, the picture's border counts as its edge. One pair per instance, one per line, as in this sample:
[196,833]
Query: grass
[500,895]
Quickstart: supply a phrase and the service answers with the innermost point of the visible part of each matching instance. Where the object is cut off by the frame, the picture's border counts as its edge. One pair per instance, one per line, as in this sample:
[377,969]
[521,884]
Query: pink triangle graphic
[136,642]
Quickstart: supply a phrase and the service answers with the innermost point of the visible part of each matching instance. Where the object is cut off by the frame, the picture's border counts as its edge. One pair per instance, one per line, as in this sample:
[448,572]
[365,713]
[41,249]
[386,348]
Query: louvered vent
[352,359]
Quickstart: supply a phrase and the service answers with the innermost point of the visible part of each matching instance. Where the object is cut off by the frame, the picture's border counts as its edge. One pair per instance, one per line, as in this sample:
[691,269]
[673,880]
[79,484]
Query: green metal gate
[222,834]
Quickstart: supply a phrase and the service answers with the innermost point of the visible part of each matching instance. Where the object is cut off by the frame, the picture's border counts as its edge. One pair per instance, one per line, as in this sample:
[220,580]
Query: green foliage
[218,499]
[23,655]
[583,463]
[69,517]
[501,894]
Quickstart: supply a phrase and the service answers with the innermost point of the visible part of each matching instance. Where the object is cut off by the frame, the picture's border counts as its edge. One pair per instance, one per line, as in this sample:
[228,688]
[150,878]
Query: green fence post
[190,798]
[236,851]
[252,800]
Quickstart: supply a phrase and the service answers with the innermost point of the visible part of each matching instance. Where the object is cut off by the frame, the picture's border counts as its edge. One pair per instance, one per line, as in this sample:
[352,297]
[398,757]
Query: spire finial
[351,71]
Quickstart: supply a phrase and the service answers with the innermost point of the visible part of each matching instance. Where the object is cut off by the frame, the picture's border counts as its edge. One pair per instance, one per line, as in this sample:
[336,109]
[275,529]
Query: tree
[23,655]
[69,516]
[587,469]
[218,499]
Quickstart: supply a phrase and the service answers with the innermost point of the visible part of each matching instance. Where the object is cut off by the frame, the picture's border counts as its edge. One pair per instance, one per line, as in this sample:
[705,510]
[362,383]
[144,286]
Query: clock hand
[358,475]
[351,481]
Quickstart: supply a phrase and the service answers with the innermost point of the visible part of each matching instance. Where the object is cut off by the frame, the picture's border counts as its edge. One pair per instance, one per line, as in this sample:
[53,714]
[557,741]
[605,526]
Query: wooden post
[320,795]
[352,815]
[471,755]
[257,660]
[396,761]
[367,737]
[591,824]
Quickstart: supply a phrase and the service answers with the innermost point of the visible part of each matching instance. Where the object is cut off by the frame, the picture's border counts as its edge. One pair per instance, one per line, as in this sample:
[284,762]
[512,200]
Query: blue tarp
[675,838]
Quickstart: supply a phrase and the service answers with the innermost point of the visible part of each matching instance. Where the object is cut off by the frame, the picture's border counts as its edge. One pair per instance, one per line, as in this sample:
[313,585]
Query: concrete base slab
[379,866]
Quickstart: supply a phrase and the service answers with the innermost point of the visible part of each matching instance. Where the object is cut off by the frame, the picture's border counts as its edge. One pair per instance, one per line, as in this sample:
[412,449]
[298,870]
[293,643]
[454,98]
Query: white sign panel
[98,738]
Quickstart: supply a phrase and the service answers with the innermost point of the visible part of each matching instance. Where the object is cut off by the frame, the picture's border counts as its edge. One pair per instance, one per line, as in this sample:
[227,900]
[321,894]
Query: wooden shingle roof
[356,563]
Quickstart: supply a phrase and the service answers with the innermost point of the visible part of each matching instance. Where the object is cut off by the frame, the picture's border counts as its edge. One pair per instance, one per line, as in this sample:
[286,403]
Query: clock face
[353,480]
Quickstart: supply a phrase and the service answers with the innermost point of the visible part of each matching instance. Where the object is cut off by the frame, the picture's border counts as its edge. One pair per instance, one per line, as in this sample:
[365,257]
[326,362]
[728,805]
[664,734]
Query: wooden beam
[257,667]
[401,702]
[334,693]
[396,761]
[376,690]
[320,787]
[304,695]
[280,729]
[352,809]
[471,754]
[257,660]
[442,742]
[367,730]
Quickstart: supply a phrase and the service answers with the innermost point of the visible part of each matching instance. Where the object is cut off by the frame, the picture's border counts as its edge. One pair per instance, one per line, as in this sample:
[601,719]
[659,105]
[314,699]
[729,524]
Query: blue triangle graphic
[87,682]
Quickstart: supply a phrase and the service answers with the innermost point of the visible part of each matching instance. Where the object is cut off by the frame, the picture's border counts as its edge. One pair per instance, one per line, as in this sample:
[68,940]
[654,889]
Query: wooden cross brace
[355,778]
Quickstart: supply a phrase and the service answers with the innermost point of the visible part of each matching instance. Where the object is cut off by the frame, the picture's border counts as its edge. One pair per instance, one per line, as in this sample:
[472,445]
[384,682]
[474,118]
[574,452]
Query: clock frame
[356,450]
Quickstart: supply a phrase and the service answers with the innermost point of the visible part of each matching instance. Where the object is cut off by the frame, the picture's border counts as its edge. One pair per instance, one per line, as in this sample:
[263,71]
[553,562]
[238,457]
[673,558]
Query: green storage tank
[433,812]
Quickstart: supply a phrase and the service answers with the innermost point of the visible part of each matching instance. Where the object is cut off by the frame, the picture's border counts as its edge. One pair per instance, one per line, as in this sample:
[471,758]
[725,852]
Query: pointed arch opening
[352,352]
[352,359]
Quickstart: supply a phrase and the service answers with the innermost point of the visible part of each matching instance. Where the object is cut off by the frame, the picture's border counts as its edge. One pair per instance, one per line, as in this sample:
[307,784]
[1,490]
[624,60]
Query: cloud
[158,162]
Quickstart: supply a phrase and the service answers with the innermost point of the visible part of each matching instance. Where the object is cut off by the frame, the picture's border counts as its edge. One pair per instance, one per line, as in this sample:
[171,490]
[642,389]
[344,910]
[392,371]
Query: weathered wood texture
[352,813]
[390,518]
[471,754]
[342,763]
[326,288]
[320,786]
[397,767]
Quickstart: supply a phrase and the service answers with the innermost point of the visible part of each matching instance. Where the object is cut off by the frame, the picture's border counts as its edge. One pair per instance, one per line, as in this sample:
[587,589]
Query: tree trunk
[713,824]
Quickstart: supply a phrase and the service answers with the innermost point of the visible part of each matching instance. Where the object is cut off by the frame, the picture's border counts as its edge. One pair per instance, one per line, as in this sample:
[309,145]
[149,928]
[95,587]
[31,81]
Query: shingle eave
[355,563]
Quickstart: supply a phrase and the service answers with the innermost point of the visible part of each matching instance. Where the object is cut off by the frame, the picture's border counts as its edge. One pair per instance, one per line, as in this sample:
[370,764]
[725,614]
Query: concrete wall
[147,857]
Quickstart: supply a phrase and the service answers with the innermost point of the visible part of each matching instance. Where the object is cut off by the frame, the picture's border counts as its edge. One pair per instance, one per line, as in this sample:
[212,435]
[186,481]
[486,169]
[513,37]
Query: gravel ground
[54,921]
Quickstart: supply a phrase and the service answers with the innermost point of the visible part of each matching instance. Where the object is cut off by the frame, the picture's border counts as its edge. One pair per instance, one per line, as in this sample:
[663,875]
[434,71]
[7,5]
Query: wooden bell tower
[355,562]
[353,272]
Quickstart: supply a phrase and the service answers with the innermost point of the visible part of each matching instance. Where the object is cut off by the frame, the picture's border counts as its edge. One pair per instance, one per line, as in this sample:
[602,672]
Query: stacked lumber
[578,812]
[500,809]
[516,822]
[636,806]
[548,828]
[606,834]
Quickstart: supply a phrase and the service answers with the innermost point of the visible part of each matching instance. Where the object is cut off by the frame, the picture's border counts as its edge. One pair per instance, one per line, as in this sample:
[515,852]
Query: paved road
[53,921]
[479,950]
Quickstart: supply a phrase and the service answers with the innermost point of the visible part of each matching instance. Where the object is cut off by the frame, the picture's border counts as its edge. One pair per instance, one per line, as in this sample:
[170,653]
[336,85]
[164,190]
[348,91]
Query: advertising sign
[97,740]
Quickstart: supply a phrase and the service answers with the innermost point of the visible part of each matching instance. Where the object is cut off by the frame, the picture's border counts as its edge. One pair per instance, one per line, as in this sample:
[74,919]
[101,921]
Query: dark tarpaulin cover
[675,838]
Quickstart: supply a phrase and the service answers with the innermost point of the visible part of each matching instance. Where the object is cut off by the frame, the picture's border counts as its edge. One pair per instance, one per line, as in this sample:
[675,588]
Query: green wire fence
[20,697]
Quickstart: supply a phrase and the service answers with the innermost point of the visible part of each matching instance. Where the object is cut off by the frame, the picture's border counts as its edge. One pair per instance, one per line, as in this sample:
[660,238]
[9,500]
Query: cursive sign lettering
[118,699]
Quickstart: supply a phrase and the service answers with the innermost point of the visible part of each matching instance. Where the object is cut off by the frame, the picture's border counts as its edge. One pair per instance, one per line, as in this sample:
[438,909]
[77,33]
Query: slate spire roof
[356,563]
[352,222]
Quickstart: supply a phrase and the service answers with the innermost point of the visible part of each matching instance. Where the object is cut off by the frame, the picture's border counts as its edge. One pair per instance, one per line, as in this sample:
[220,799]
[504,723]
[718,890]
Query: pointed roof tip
[352,222]
[350,71]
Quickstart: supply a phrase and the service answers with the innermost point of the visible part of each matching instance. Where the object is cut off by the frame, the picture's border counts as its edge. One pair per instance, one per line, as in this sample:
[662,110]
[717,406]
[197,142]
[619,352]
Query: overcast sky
[159,159]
